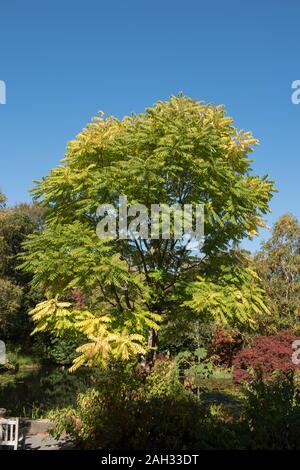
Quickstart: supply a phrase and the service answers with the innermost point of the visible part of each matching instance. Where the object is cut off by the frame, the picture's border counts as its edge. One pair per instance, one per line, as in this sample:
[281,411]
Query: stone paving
[44,442]
[37,436]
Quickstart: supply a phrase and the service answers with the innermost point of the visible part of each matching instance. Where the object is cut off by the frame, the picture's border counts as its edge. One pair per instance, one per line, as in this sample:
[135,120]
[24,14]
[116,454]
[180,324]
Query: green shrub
[123,411]
[194,366]
[163,381]
[60,351]
[272,411]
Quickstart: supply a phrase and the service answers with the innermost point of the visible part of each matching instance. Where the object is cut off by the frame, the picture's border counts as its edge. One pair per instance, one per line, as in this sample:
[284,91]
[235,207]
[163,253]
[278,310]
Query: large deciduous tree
[180,151]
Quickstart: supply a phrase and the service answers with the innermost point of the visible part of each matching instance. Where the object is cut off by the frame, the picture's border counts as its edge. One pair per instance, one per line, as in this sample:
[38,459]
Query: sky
[63,61]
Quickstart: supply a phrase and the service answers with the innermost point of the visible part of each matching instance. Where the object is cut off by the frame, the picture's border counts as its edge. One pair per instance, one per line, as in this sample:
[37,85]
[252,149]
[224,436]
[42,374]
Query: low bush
[272,411]
[157,413]
[122,415]
[122,411]
[267,353]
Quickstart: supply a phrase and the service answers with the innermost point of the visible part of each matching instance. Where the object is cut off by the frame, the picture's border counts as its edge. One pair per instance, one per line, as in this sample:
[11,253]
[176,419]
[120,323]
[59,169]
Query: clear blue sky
[62,61]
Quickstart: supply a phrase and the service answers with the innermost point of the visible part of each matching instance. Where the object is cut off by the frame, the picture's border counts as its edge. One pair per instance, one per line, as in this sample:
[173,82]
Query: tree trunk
[152,343]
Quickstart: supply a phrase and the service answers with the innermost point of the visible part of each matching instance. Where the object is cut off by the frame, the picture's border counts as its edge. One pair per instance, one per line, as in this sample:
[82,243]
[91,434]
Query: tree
[180,151]
[2,200]
[10,302]
[15,224]
[15,297]
[278,265]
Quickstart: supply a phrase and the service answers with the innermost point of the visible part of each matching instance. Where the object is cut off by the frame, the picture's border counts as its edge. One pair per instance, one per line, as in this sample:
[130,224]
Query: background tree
[10,303]
[179,151]
[2,200]
[278,265]
[15,295]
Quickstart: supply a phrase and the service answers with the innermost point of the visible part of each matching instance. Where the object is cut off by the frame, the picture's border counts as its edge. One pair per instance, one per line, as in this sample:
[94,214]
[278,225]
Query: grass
[221,373]
[23,360]
[221,379]
[7,378]
[219,390]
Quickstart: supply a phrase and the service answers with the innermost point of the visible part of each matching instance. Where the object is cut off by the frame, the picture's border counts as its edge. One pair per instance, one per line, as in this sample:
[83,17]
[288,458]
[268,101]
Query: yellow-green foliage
[180,151]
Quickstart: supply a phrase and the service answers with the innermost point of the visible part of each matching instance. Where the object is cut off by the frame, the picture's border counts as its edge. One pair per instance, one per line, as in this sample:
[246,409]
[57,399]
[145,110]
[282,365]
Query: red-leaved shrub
[269,353]
[224,346]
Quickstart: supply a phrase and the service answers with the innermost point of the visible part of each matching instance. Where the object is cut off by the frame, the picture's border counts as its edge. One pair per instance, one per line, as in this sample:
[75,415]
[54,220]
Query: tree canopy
[278,265]
[179,151]
[15,224]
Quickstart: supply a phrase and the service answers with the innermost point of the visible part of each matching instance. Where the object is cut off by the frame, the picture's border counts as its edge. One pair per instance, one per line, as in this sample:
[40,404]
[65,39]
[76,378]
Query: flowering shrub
[268,353]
